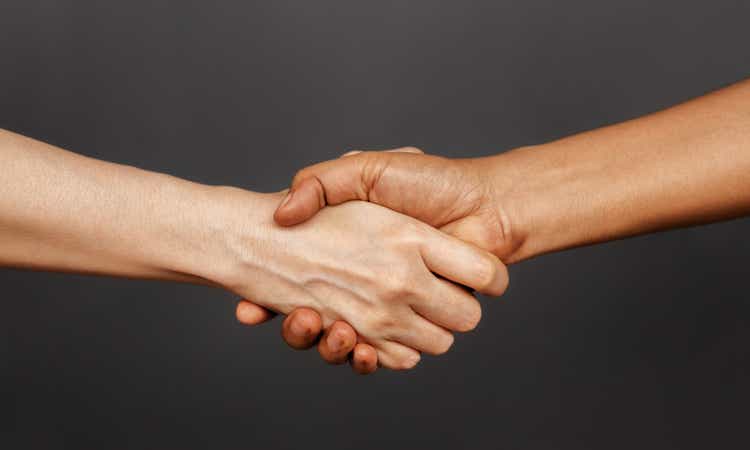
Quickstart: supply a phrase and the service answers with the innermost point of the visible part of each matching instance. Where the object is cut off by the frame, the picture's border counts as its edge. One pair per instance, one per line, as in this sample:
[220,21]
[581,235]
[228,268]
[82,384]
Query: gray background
[641,343]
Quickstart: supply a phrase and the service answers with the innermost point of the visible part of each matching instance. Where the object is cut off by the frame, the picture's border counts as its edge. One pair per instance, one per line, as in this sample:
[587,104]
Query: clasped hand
[379,249]
[402,287]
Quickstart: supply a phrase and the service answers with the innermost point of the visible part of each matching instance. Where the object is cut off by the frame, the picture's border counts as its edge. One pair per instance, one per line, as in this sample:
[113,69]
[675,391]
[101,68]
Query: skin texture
[687,165]
[387,274]
[386,289]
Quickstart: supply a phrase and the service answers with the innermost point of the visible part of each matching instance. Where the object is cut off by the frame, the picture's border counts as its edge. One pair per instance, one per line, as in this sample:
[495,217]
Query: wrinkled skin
[452,195]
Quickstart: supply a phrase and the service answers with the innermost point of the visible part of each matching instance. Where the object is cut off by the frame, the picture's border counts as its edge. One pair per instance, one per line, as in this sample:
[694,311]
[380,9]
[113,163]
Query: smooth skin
[683,166]
[388,275]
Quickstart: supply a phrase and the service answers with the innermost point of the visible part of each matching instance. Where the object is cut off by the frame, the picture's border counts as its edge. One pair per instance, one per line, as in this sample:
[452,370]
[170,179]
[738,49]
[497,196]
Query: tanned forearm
[686,165]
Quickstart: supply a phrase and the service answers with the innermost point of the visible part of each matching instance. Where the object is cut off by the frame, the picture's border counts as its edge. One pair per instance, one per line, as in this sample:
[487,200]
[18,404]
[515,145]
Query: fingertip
[407,363]
[364,359]
[396,356]
[471,319]
[301,328]
[301,203]
[285,215]
[305,323]
[498,283]
[337,342]
[342,337]
[249,313]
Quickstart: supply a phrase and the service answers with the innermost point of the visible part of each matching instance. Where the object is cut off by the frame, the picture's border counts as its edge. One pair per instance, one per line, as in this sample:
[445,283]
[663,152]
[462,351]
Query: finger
[329,183]
[301,202]
[449,306]
[472,230]
[464,263]
[338,340]
[424,336]
[395,356]
[364,359]
[301,328]
[249,313]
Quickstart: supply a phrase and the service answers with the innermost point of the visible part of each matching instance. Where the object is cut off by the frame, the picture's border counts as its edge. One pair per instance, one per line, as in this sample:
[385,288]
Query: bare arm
[61,211]
[64,212]
[686,165]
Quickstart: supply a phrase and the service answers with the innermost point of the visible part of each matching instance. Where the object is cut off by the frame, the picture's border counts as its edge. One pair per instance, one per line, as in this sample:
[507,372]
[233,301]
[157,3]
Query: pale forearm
[686,165]
[64,212]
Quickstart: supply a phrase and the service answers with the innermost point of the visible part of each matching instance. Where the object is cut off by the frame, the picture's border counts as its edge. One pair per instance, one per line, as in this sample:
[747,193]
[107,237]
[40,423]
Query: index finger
[464,263]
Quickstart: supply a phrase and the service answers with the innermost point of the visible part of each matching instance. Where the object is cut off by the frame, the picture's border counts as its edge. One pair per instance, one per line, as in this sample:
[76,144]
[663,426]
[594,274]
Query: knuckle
[407,231]
[383,324]
[414,231]
[402,284]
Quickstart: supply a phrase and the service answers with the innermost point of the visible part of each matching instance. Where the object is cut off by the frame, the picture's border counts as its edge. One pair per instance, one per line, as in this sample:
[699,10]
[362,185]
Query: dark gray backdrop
[643,342]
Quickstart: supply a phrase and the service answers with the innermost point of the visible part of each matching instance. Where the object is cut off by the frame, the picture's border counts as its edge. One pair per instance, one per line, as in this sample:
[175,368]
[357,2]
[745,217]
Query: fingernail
[286,199]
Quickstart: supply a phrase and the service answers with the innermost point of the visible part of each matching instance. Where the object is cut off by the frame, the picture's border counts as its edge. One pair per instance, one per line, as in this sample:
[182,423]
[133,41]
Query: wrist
[184,239]
[240,227]
[522,197]
[555,196]
[499,210]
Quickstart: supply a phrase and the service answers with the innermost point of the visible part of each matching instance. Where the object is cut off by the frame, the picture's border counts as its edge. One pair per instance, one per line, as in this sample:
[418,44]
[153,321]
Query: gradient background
[641,343]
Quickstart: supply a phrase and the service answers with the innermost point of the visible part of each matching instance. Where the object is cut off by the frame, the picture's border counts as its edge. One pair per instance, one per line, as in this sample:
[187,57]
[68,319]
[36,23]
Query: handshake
[381,250]
[385,280]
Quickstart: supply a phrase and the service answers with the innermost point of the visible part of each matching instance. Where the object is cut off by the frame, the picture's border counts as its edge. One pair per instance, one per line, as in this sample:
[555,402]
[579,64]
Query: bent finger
[395,356]
[328,183]
[301,328]
[424,336]
[339,339]
[449,306]
[364,359]
[464,263]
[248,313]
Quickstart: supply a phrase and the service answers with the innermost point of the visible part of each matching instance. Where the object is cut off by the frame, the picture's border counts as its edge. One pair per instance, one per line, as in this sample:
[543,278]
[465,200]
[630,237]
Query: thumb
[326,183]
[350,177]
